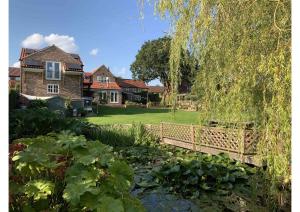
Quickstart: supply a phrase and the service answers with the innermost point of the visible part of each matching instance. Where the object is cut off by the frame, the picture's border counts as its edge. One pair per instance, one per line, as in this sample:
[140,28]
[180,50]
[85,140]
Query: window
[102,79]
[137,97]
[53,70]
[17,78]
[103,95]
[114,97]
[53,88]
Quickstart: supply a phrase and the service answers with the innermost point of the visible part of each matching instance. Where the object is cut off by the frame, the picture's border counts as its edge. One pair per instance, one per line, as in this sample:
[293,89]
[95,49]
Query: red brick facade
[33,73]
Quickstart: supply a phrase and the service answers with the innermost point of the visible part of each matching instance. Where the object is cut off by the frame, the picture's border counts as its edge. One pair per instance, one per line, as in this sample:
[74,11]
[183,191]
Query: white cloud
[94,52]
[36,40]
[16,64]
[64,42]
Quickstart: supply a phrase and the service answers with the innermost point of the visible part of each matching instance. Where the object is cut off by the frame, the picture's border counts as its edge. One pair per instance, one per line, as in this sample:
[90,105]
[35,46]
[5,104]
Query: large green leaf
[73,191]
[80,173]
[38,189]
[110,204]
[68,141]
[121,169]
[132,205]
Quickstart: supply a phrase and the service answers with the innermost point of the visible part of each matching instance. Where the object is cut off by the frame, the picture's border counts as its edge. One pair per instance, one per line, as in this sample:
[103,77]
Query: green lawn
[109,115]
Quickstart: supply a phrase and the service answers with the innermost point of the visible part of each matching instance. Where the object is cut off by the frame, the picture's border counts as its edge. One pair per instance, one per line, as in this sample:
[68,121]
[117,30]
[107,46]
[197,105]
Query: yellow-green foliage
[244,52]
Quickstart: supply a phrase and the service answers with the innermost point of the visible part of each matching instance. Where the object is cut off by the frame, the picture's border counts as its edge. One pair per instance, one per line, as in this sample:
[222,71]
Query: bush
[34,121]
[81,111]
[141,136]
[109,135]
[13,99]
[63,172]
[34,104]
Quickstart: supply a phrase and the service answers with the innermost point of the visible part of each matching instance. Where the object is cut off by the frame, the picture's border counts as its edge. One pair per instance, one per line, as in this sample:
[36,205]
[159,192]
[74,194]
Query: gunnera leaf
[39,189]
[110,204]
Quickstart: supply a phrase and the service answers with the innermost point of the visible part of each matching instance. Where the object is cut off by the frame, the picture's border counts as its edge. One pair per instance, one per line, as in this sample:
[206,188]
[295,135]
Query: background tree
[152,62]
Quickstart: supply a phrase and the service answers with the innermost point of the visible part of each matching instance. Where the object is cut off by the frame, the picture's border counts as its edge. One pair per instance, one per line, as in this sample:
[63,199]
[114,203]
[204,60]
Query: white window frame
[115,96]
[102,78]
[51,90]
[53,72]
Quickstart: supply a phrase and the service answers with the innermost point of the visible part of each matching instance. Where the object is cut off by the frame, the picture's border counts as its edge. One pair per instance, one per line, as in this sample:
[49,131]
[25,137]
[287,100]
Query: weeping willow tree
[244,51]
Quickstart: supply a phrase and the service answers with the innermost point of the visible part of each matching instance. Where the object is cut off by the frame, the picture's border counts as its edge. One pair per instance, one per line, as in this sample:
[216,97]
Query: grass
[110,115]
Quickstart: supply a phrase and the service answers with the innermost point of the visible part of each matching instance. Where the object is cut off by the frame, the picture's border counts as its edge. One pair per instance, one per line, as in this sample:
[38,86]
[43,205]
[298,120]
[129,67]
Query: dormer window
[53,70]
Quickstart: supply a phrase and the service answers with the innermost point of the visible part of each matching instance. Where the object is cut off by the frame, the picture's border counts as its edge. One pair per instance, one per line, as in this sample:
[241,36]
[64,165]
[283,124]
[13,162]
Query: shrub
[141,136]
[110,135]
[81,111]
[63,172]
[13,99]
[37,104]
[33,122]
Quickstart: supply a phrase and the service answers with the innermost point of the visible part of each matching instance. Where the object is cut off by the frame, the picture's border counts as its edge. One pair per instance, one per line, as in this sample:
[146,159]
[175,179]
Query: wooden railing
[240,144]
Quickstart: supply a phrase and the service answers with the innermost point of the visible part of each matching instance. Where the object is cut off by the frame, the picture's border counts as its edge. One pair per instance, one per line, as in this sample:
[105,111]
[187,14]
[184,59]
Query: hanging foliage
[244,54]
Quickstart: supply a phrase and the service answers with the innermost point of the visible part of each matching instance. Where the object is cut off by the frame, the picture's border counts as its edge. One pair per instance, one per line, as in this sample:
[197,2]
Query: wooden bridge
[240,144]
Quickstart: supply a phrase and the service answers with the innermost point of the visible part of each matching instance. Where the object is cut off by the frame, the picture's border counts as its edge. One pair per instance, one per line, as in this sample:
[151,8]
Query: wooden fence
[240,144]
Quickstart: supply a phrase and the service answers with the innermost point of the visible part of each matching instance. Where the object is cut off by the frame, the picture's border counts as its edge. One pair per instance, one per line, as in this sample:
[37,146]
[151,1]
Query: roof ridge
[96,69]
[48,47]
[38,50]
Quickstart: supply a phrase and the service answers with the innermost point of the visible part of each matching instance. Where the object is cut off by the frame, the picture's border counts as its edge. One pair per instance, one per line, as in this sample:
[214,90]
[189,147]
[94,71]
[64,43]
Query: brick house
[51,72]
[115,91]
[133,90]
[14,78]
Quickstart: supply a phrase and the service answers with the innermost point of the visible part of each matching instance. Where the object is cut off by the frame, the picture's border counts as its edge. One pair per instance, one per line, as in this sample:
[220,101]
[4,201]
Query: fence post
[161,131]
[242,148]
[193,137]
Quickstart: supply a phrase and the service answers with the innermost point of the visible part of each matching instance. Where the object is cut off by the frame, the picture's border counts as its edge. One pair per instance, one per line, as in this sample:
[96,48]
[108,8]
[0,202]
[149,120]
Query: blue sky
[102,32]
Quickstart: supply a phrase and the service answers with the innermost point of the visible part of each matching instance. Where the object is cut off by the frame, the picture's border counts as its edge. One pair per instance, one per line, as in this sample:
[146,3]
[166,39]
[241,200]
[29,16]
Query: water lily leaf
[146,184]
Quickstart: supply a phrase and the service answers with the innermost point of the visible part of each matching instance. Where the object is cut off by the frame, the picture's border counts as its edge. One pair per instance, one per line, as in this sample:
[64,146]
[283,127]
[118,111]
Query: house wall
[109,103]
[35,84]
[33,80]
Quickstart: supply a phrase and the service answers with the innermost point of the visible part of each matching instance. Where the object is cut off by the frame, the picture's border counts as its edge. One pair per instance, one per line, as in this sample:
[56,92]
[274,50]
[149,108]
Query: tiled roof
[105,86]
[156,89]
[130,83]
[26,52]
[88,74]
[14,72]
[35,58]
[87,78]
[101,67]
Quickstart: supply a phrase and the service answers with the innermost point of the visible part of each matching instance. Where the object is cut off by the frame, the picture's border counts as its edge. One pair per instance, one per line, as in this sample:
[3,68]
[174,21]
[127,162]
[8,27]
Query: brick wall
[103,71]
[119,95]
[35,84]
